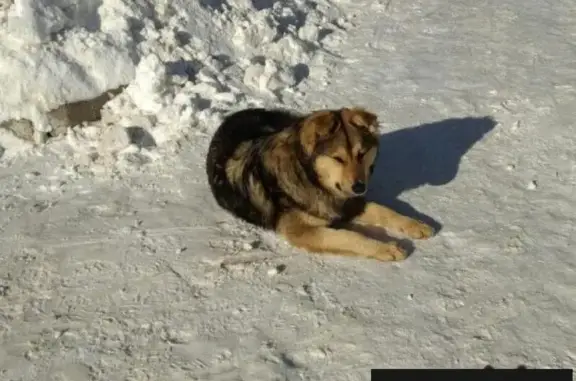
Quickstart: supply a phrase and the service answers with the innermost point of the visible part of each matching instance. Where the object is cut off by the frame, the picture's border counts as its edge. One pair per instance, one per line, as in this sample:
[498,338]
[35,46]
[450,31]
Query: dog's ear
[360,118]
[316,127]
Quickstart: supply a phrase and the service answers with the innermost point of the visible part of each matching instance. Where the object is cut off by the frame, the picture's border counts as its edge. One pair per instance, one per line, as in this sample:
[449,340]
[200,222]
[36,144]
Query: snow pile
[185,64]
[49,56]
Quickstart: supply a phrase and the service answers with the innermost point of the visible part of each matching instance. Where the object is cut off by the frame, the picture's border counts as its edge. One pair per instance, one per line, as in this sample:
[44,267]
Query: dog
[304,177]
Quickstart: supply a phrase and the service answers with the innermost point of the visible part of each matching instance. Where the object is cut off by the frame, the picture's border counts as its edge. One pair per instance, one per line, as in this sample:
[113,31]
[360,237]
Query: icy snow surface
[116,263]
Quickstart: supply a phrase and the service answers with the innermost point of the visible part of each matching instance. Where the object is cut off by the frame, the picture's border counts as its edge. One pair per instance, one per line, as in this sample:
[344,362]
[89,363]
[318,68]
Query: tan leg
[386,218]
[312,234]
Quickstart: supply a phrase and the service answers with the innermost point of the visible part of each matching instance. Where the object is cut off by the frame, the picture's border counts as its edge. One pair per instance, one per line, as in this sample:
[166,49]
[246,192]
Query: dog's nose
[359,187]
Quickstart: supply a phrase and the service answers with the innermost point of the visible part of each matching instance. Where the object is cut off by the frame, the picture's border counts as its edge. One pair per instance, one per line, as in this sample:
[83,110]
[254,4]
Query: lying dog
[302,176]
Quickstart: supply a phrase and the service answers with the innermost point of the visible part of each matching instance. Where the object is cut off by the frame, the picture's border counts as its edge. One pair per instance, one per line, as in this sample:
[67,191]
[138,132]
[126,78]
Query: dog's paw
[417,230]
[391,251]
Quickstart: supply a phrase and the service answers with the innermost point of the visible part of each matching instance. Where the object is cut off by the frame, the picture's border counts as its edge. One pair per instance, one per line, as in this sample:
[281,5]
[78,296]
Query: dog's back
[249,127]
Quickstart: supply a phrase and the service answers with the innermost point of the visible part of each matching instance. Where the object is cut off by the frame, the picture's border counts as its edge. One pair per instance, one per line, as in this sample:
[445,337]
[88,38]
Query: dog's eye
[338,159]
[361,155]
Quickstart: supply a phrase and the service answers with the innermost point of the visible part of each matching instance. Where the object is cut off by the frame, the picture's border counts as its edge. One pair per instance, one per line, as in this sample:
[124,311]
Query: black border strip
[488,374]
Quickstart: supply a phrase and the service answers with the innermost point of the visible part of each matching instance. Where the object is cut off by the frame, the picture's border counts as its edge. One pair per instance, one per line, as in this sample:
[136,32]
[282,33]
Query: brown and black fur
[303,176]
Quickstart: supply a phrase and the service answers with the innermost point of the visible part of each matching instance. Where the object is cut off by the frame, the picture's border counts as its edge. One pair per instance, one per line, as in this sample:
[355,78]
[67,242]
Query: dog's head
[341,146]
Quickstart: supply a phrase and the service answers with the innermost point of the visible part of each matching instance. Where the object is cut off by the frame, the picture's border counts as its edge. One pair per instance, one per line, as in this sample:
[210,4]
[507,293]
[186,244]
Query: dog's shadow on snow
[428,154]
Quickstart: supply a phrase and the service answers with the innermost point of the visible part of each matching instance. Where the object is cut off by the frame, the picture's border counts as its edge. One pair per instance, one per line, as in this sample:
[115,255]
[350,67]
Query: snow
[118,265]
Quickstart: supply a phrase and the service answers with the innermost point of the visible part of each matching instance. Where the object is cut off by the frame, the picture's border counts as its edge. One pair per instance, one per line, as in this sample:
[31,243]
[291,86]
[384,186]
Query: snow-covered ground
[116,264]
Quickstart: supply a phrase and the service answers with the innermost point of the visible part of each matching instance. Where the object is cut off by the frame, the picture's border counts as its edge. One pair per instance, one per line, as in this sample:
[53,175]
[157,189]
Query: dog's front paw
[416,229]
[391,251]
